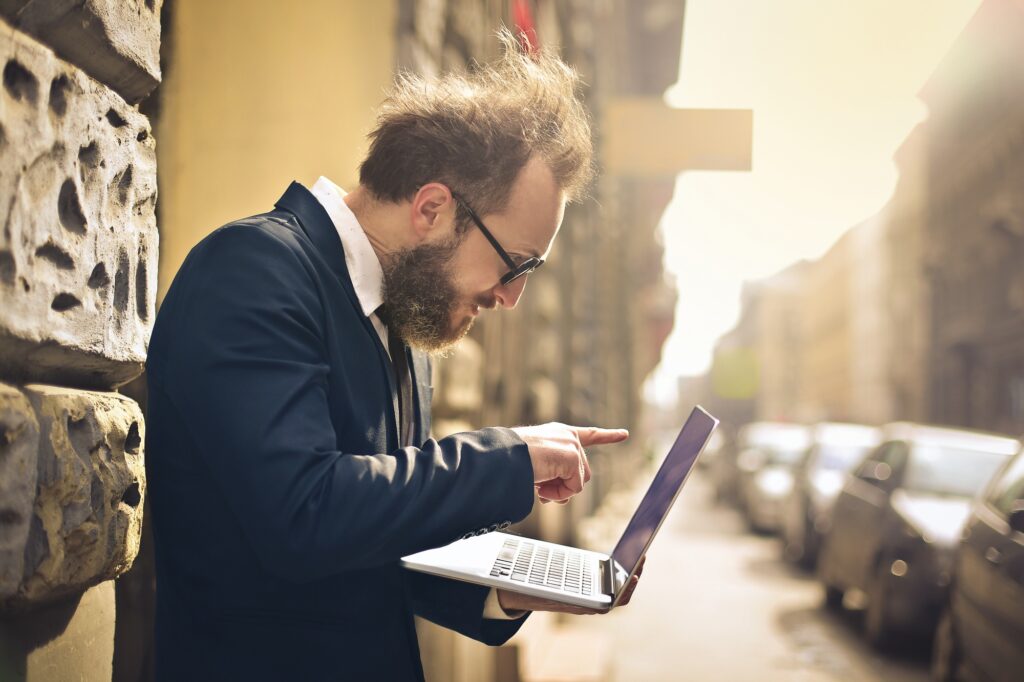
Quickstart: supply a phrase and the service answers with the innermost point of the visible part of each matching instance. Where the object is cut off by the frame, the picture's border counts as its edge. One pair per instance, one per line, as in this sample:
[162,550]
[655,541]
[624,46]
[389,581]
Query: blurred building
[813,340]
[975,223]
[916,313]
[757,366]
[871,331]
[827,371]
[907,297]
[779,343]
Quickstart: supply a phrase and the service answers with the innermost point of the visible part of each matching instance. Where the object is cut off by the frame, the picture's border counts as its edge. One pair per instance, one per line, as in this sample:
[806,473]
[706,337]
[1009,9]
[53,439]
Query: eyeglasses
[514,271]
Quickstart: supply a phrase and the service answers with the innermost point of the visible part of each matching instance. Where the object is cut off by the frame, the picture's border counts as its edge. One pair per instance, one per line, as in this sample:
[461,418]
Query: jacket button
[467,535]
[493,528]
[503,525]
[482,531]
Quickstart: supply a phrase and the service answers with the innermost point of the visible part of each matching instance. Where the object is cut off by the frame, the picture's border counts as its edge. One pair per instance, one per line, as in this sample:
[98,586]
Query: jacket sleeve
[249,378]
[459,606]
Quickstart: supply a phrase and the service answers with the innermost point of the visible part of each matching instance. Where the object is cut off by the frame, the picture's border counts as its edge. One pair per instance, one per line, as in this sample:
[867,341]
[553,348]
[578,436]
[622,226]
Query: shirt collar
[363,265]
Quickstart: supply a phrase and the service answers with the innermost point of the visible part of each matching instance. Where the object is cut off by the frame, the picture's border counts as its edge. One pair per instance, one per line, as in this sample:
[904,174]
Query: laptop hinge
[607,577]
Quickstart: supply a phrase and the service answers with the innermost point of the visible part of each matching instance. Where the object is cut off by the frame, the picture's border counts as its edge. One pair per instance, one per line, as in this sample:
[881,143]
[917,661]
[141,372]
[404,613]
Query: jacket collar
[317,225]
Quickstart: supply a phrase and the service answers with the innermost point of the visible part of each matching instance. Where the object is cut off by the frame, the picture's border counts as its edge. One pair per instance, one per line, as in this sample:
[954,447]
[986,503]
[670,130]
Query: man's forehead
[535,209]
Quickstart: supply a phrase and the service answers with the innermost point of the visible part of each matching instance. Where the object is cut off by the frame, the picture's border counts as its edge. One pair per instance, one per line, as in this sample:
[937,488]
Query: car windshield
[779,454]
[950,471]
[839,457]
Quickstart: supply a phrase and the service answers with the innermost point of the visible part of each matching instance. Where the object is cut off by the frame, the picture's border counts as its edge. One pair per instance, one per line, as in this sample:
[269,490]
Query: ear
[432,211]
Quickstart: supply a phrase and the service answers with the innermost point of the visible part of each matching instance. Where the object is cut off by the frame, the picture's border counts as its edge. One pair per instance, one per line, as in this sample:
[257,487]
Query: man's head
[511,143]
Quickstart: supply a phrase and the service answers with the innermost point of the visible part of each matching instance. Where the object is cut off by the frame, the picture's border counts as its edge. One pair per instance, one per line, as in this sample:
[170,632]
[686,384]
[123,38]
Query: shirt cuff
[494,611]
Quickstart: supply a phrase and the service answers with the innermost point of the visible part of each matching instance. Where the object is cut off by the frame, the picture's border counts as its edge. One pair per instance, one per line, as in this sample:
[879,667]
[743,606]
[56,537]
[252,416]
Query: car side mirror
[1016,519]
[876,472]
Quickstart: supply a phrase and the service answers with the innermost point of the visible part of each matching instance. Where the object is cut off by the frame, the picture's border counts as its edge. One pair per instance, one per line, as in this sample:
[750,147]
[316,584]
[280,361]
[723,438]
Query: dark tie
[400,365]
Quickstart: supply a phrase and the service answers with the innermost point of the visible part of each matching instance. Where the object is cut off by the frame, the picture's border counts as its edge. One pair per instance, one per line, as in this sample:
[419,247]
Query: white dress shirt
[368,281]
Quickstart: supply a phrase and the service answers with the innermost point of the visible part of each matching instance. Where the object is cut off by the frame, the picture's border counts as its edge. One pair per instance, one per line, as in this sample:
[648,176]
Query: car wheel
[833,597]
[878,626]
[808,543]
[792,543]
[946,651]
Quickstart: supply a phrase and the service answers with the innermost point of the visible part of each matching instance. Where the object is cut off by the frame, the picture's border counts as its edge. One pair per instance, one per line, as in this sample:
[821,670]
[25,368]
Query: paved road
[716,603]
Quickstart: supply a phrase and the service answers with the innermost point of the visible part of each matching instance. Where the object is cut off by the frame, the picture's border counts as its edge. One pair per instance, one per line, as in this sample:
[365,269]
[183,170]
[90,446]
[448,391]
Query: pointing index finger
[592,435]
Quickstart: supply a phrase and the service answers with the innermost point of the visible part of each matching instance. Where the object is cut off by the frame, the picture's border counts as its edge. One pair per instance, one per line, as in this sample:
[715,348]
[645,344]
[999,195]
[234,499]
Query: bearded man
[289,459]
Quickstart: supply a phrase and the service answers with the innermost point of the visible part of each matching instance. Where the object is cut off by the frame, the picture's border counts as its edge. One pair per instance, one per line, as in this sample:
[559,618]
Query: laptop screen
[656,503]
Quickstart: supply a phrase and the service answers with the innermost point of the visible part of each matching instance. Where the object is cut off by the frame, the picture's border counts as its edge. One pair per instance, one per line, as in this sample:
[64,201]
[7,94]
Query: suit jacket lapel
[423,391]
[317,225]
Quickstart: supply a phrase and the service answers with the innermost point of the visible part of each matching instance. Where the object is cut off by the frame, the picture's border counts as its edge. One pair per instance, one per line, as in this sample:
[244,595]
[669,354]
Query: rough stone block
[87,518]
[19,444]
[78,244]
[115,41]
[71,639]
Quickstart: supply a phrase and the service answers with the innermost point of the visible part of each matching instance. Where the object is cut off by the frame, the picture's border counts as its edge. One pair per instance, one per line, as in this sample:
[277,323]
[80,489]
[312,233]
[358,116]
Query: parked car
[981,633]
[807,512]
[768,453]
[712,450]
[722,467]
[897,521]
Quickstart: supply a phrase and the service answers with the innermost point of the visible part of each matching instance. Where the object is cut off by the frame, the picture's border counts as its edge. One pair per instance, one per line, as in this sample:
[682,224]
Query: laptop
[568,574]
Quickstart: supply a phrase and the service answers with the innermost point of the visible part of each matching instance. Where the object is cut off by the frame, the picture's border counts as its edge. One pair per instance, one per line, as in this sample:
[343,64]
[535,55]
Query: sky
[833,86]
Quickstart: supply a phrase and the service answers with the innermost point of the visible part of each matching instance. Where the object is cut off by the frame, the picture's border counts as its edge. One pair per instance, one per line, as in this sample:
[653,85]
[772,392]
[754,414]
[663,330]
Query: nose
[508,295]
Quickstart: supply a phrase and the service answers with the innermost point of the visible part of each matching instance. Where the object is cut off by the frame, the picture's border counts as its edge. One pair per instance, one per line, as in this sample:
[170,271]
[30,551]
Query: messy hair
[474,132]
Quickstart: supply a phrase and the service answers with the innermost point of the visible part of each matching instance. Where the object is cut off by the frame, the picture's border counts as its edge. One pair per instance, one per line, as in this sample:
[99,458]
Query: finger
[586,465]
[629,591]
[531,604]
[592,435]
[567,486]
[574,481]
[555,491]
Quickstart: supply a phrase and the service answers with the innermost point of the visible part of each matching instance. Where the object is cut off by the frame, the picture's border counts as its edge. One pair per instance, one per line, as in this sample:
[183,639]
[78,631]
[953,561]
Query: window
[1008,487]
[941,469]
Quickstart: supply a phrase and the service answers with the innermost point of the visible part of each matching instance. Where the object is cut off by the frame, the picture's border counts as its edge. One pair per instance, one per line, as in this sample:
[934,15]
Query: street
[717,603]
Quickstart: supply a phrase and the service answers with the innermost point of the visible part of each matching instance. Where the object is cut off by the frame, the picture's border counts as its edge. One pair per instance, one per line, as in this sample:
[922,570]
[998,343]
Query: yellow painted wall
[258,93]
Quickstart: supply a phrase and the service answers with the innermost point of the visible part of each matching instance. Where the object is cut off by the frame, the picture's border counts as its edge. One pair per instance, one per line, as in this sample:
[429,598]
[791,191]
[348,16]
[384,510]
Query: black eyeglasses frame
[515,271]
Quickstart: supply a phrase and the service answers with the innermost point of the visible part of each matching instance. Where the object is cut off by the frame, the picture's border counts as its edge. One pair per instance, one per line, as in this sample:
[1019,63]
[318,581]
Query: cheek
[474,274]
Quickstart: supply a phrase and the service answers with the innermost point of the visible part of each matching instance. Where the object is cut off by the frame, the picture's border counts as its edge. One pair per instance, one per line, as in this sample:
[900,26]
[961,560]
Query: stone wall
[78,256]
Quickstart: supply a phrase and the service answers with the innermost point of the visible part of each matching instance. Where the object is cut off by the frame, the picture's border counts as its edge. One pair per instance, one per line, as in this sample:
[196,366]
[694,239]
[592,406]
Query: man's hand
[560,467]
[513,601]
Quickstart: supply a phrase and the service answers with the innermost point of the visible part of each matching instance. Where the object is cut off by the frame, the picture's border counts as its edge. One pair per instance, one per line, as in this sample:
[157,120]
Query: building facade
[907,298]
[975,224]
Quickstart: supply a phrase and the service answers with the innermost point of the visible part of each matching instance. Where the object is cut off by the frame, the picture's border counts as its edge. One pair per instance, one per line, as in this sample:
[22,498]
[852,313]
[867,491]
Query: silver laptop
[567,574]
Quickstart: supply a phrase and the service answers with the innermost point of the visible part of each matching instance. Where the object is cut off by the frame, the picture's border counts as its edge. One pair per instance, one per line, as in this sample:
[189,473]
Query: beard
[420,297]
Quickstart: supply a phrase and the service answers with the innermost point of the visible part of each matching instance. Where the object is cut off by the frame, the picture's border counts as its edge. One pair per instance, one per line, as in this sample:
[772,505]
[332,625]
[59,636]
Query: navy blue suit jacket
[281,500]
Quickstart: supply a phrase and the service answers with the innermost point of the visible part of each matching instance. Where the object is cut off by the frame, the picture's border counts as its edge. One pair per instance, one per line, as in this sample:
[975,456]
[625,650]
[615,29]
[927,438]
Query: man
[289,459]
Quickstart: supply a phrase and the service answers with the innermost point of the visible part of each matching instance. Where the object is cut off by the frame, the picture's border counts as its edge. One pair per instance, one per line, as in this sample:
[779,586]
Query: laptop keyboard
[561,569]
